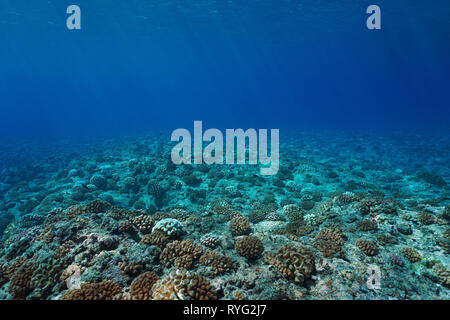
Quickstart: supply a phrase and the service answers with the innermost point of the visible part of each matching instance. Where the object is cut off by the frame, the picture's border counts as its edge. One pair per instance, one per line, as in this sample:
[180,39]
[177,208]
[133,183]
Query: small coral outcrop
[426,218]
[217,263]
[368,247]
[443,274]
[183,285]
[293,212]
[181,254]
[143,223]
[20,285]
[330,241]
[411,254]
[239,225]
[367,225]
[210,240]
[294,262]
[105,290]
[157,238]
[171,227]
[142,286]
[249,247]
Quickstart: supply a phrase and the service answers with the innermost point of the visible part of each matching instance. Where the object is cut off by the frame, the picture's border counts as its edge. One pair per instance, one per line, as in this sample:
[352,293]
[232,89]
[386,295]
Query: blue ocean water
[142,65]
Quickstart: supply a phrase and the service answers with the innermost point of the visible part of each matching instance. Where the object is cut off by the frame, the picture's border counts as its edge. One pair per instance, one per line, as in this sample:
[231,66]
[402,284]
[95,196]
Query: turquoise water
[91,201]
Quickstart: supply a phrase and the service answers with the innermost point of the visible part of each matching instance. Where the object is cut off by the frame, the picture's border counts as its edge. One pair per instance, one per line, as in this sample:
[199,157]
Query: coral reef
[124,222]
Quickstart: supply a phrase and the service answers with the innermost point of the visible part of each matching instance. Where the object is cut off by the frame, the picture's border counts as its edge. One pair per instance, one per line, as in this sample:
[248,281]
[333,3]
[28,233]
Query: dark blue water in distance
[143,65]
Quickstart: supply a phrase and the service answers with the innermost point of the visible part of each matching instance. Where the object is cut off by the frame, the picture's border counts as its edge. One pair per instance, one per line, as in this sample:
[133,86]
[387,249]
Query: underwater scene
[225,150]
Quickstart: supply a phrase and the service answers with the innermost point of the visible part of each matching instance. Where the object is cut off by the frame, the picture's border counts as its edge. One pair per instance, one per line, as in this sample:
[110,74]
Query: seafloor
[348,216]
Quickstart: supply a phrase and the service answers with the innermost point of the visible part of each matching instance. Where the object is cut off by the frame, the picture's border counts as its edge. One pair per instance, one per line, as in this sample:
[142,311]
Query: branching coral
[122,214]
[20,285]
[181,254]
[386,239]
[367,246]
[444,241]
[63,252]
[239,225]
[256,216]
[426,218]
[222,207]
[105,290]
[446,213]
[218,263]
[320,213]
[46,275]
[293,212]
[347,197]
[171,227]
[47,235]
[3,276]
[74,211]
[183,285]
[143,223]
[274,216]
[127,226]
[156,238]
[249,247]
[330,241]
[366,206]
[266,206]
[295,229]
[142,286]
[130,267]
[411,254]
[294,262]
[97,206]
[367,225]
[154,189]
[14,266]
[210,240]
[443,274]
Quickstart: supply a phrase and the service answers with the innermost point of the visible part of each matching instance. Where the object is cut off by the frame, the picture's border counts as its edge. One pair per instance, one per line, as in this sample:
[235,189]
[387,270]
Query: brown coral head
[249,247]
